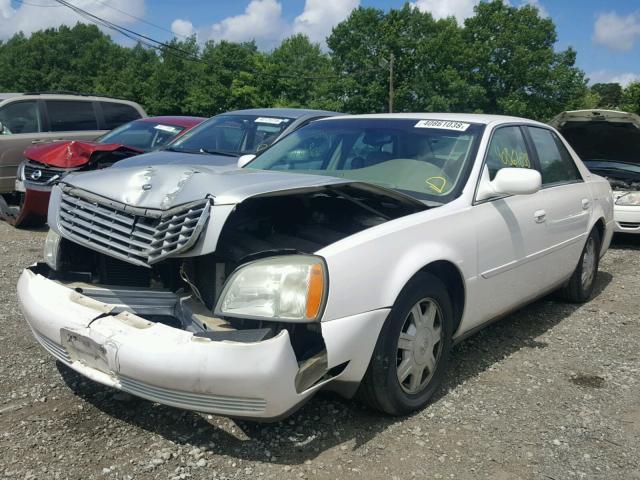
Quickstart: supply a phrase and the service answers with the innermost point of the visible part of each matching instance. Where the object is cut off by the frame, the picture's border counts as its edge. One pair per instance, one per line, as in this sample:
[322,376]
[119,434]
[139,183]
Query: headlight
[20,174]
[290,287]
[52,250]
[628,199]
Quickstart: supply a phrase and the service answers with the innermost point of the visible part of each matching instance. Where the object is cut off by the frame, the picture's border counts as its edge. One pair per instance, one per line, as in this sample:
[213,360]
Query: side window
[556,164]
[20,117]
[71,116]
[507,149]
[116,114]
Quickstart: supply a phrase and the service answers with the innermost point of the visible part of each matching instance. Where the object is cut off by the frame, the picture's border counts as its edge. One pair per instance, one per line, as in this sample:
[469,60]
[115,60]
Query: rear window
[71,116]
[116,114]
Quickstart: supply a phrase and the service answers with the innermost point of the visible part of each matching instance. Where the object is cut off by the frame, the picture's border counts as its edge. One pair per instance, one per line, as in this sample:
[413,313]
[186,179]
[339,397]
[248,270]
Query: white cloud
[543,12]
[617,32]
[461,9]
[263,22]
[320,16]
[29,18]
[182,28]
[604,76]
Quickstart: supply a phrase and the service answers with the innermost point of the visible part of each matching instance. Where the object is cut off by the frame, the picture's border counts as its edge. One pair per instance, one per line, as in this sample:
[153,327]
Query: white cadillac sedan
[350,255]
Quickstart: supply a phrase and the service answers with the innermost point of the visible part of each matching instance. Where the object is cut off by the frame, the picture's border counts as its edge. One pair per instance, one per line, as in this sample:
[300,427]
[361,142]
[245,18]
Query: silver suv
[30,118]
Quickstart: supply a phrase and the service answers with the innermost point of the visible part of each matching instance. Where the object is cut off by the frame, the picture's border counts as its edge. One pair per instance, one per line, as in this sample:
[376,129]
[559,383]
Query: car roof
[283,112]
[177,120]
[68,96]
[481,118]
[4,96]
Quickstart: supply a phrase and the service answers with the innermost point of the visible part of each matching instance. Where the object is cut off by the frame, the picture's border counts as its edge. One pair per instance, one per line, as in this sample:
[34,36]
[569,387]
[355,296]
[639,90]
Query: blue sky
[606,34]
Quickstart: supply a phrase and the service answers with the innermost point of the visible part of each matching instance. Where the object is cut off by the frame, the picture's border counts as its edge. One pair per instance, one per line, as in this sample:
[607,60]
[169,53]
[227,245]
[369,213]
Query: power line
[168,48]
[142,20]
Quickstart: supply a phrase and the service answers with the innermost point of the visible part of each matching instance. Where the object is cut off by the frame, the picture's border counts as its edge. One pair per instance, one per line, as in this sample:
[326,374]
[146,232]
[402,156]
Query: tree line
[501,60]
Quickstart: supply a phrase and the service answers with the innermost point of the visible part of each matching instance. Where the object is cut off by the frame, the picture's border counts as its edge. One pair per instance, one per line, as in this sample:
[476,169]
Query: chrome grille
[40,174]
[138,236]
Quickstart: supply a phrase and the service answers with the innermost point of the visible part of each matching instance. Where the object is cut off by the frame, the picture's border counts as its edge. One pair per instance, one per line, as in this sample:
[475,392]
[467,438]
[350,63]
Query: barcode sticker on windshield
[273,121]
[443,124]
[166,128]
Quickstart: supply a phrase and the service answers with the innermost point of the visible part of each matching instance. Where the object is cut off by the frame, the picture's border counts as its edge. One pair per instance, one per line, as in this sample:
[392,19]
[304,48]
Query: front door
[510,234]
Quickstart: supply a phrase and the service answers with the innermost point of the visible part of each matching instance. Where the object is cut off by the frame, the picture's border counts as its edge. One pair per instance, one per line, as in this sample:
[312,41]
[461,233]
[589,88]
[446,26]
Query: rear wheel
[581,283]
[412,352]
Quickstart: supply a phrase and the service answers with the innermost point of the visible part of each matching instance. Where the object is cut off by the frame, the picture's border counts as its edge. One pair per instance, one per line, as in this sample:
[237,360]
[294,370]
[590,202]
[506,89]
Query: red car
[47,163]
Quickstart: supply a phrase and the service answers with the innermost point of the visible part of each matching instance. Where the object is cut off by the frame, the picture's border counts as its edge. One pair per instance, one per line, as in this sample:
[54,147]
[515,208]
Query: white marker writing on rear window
[274,121]
[443,124]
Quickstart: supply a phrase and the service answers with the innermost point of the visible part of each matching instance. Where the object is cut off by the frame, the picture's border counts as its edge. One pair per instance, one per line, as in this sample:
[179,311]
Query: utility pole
[391,59]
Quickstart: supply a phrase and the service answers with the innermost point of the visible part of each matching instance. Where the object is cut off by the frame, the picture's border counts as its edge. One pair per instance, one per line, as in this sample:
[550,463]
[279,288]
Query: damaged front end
[47,164]
[212,304]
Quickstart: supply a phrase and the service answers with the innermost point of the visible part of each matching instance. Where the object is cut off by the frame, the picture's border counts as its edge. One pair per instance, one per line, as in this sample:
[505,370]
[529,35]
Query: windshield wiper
[216,152]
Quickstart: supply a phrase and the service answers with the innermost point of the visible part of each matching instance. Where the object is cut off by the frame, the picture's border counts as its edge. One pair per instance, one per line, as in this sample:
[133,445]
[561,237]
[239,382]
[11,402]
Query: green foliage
[630,101]
[501,61]
[610,94]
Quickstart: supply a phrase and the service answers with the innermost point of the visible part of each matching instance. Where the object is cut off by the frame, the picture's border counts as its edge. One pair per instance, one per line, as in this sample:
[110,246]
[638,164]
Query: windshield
[428,159]
[604,141]
[232,135]
[142,135]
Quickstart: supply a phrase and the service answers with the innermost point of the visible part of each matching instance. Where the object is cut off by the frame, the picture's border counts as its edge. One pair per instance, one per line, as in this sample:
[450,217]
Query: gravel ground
[551,392]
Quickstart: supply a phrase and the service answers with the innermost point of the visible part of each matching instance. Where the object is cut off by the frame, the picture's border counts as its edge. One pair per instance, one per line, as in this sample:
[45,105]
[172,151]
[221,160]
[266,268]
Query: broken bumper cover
[161,363]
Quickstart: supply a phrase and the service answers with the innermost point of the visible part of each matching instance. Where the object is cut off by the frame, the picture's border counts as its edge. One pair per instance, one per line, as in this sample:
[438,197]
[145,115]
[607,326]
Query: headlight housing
[628,199]
[292,288]
[52,250]
[20,172]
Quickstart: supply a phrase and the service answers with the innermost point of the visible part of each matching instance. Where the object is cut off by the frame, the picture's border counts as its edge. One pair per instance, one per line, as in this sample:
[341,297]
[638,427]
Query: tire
[580,285]
[423,301]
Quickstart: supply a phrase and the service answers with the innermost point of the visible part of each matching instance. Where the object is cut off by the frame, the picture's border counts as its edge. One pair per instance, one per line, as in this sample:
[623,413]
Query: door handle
[540,216]
[586,203]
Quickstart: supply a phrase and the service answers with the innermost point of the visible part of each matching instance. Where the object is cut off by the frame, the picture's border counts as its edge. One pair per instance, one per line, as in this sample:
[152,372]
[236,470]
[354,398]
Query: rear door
[72,120]
[22,121]
[567,202]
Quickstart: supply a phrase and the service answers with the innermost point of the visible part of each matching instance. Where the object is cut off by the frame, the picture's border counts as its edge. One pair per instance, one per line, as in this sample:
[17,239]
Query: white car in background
[350,255]
[608,142]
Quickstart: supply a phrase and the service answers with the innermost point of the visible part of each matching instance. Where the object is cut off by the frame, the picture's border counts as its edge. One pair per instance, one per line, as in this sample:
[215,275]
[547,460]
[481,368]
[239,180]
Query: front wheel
[412,352]
[581,283]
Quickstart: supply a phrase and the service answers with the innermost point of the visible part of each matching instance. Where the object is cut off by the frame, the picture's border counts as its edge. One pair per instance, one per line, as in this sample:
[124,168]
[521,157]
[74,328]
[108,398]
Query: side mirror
[509,181]
[244,159]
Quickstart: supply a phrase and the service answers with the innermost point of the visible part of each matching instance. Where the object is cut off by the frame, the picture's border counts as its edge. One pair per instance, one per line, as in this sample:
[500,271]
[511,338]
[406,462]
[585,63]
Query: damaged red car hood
[71,154]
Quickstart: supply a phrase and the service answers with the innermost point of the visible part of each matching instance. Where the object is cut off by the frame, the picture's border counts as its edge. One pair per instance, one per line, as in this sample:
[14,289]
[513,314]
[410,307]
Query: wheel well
[599,225]
[452,278]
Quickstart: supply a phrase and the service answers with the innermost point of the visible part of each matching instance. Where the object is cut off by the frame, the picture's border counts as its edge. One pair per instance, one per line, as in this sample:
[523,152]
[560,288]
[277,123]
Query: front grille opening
[141,237]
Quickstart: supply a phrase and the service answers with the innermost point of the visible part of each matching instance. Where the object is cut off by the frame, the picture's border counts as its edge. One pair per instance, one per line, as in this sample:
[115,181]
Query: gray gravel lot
[551,392]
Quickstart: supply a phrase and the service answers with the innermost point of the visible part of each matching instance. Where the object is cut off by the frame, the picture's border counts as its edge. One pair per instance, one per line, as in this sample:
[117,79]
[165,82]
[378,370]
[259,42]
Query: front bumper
[157,362]
[173,367]
[35,206]
[627,219]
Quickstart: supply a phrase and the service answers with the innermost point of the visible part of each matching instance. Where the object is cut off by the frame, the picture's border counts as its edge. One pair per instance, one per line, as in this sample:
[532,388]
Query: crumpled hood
[167,186]
[71,154]
[163,157]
